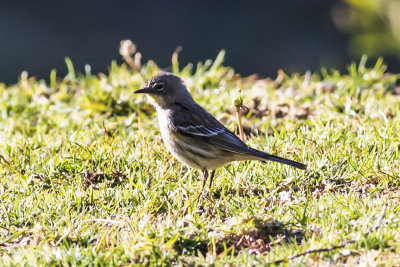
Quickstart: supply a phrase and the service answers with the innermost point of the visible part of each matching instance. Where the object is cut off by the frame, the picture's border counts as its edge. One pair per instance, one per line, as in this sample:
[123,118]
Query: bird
[194,136]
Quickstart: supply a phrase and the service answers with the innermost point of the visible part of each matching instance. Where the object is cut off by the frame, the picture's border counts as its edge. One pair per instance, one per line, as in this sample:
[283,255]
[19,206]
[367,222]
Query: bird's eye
[158,86]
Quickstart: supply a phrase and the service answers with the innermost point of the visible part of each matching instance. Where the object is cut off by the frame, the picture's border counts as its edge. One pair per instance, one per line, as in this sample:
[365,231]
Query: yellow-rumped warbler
[193,135]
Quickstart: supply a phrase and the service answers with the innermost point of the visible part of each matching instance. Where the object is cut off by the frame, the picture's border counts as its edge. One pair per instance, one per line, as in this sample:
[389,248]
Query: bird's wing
[219,137]
[205,128]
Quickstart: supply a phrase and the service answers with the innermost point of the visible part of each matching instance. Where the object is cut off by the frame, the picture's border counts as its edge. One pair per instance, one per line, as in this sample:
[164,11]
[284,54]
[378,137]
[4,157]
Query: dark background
[259,36]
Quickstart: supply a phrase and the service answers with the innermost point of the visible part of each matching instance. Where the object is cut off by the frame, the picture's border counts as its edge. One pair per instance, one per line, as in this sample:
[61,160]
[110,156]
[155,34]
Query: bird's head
[165,89]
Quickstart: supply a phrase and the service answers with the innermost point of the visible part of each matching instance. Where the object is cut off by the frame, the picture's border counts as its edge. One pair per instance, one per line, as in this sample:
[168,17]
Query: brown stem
[239,119]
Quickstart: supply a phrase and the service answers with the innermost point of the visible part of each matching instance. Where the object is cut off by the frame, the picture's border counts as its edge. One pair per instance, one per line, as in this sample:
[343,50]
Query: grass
[86,180]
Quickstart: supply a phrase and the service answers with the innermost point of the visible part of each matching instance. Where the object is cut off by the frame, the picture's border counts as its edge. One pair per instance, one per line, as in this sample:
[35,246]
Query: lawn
[85,178]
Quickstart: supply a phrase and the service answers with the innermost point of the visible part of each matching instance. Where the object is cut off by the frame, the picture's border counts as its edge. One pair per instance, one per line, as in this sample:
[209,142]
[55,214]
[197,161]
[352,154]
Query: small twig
[351,241]
[2,157]
[103,220]
[314,251]
[105,132]
[371,229]
[240,241]
[391,176]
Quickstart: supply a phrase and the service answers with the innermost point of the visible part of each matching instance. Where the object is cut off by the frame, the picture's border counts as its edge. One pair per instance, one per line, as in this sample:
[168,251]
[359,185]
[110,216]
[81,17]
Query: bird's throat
[155,100]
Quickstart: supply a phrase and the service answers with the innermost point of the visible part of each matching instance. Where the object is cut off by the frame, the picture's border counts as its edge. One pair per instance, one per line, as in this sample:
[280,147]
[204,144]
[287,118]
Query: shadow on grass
[259,238]
[92,179]
[262,237]
[242,192]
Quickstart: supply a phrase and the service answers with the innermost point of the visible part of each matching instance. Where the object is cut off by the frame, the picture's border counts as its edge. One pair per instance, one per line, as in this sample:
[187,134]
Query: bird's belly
[195,154]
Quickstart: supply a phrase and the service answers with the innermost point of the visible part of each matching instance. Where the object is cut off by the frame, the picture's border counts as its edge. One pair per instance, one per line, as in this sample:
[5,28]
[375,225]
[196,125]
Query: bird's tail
[263,155]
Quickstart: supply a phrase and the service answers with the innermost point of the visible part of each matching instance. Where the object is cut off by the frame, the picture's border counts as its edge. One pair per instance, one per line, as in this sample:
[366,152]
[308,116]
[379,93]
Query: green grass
[86,180]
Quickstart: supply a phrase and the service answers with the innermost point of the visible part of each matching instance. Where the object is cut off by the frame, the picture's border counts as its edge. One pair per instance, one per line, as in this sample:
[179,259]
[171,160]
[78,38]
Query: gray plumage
[193,135]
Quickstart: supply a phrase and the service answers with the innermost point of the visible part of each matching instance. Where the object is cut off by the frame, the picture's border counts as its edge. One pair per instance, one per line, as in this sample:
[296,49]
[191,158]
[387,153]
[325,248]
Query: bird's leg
[205,177]
[211,178]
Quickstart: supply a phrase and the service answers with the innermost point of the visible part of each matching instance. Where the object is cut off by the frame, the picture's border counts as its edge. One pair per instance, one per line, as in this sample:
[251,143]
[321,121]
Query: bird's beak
[144,90]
